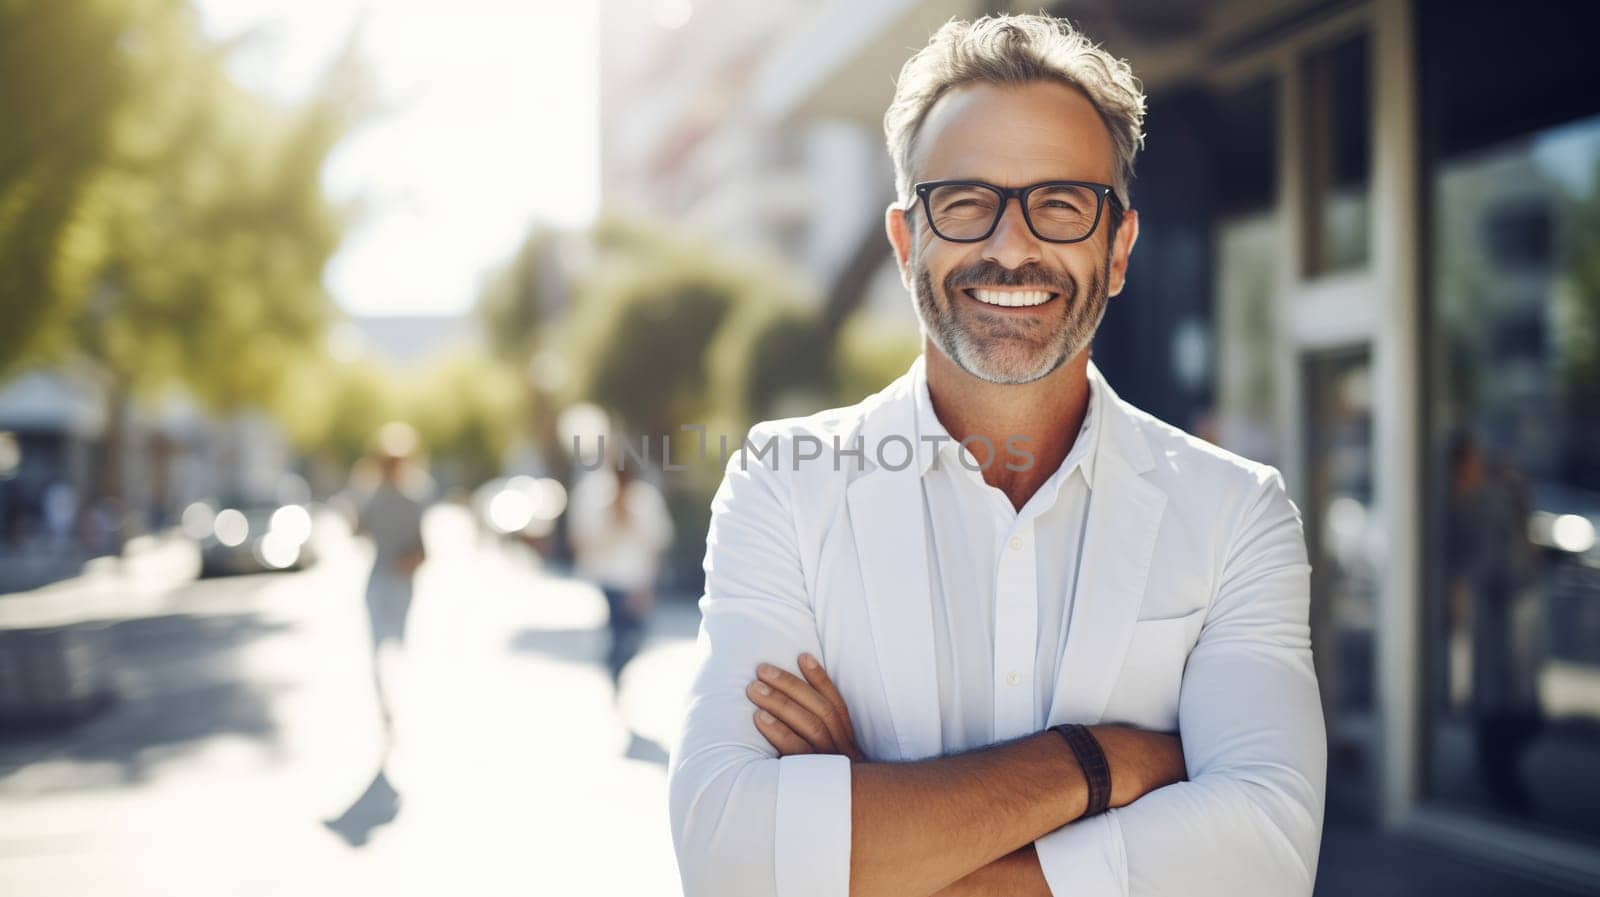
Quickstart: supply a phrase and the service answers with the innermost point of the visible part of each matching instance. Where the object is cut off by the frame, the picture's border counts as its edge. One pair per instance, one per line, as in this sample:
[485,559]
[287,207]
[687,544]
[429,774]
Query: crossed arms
[753,818]
[953,825]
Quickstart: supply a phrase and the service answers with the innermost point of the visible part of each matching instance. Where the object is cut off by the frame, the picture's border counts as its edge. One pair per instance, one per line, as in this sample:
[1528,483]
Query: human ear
[1121,248]
[898,228]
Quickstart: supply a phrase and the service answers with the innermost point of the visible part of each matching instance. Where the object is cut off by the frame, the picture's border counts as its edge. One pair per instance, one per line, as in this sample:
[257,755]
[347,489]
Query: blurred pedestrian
[619,529]
[1490,562]
[392,517]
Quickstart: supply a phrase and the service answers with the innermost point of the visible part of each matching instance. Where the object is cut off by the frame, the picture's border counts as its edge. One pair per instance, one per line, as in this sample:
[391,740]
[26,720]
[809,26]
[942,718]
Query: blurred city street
[327,326]
[246,719]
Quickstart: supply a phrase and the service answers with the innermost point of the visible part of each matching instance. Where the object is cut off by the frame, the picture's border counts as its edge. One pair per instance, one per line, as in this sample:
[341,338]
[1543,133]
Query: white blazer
[1190,615]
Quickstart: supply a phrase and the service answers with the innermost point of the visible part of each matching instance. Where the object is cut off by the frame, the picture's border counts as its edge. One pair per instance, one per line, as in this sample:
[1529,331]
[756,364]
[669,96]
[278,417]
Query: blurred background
[290,290]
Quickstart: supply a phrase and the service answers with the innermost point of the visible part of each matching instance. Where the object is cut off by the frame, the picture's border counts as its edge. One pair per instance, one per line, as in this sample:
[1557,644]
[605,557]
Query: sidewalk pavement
[108,588]
[247,721]
[1360,861]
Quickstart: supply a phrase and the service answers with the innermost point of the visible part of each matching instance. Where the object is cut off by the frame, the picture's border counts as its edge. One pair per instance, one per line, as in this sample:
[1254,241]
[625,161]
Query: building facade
[1369,257]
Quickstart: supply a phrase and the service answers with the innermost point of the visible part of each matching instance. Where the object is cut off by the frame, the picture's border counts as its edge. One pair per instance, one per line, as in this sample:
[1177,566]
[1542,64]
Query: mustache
[993,274]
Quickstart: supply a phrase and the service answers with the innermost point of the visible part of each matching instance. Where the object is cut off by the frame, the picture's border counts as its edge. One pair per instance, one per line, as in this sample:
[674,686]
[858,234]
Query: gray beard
[996,350]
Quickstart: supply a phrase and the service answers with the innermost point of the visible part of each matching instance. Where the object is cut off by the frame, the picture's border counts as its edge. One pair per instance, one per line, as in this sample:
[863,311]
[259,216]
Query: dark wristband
[1096,772]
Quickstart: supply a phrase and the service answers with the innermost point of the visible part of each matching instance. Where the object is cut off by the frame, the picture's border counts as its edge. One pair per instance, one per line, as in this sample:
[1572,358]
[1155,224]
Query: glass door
[1340,536]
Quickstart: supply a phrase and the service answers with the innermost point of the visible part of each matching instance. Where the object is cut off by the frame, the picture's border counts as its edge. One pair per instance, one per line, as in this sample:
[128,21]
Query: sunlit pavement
[246,720]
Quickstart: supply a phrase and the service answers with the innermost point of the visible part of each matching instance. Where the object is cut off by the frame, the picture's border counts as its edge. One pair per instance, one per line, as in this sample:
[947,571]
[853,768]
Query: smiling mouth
[1010,298]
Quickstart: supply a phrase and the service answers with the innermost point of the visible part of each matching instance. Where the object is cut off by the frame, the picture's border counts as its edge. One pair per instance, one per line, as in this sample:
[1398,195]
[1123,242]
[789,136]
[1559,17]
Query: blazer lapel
[1125,513]
[886,517]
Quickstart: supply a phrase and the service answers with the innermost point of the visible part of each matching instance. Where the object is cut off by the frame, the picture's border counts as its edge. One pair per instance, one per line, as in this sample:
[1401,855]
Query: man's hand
[896,828]
[809,716]
[803,716]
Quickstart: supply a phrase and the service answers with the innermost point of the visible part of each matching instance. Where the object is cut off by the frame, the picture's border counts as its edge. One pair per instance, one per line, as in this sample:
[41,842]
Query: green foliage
[647,336]
[871,352]
[333,408]
[467,409]
[64,78]
[665,331]
[657,320]
[154,217]
[774,363]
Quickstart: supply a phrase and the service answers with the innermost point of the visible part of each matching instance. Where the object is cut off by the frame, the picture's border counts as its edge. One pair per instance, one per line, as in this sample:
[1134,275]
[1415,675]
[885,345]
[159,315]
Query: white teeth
[1012,298]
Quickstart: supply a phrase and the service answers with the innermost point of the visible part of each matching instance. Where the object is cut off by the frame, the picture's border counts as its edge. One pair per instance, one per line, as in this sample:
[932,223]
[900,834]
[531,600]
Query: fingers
[819,680]
[812,708]
[802,692]
[796,688]
[838,721]
[780,701]
[780,736]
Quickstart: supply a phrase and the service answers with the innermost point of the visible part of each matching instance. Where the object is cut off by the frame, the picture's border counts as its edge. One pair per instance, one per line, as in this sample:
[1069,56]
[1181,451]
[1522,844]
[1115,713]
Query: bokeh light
[291,523]
[231,527]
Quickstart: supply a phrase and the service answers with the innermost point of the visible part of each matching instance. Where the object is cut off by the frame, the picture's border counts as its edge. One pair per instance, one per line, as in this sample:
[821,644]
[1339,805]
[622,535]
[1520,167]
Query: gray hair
[1014,50]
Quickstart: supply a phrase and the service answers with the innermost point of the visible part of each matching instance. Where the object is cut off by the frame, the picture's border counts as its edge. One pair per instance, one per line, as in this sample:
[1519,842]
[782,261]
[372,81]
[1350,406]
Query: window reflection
[1515,679]
[1248,244]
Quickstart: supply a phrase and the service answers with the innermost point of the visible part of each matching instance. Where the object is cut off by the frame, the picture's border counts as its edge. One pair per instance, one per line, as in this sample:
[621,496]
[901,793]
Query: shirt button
[1016,543]
[1012,678]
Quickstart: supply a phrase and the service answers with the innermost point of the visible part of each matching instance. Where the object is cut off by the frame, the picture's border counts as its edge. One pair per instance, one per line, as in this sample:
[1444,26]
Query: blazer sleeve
[1249,819]
[744,821]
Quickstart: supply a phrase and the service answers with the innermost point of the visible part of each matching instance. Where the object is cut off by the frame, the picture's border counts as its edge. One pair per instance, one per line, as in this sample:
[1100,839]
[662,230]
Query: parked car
[250,538]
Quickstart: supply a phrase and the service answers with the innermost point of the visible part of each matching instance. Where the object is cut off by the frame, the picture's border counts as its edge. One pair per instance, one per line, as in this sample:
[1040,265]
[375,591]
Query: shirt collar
[941,445]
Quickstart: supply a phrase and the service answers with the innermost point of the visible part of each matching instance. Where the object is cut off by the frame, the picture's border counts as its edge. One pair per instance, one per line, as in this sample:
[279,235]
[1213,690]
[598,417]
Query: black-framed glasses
[1056,211]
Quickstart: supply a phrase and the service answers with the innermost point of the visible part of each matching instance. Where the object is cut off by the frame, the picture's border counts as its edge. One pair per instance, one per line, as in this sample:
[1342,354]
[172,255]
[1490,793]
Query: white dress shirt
[1186,610]
[1001,579]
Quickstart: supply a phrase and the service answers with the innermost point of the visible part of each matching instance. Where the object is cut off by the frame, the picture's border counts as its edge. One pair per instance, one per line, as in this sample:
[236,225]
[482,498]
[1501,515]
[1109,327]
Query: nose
[1012,244]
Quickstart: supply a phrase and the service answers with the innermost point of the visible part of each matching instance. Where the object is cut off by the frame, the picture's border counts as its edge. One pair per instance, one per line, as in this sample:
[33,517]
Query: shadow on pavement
[645,749]
[176,681]
[675,618]
[377,806]
[584,645]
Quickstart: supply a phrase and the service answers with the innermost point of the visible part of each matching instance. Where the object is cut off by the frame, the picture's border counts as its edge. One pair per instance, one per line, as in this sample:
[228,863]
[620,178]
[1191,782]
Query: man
[905,596]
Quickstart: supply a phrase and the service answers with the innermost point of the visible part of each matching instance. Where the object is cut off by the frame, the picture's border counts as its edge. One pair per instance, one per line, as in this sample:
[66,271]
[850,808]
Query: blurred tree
[213,227]
[668,331]
[518,305]
[773,359]
[64,80]
[641,341]
[331,409]
[871,351]
[467,408]
[155,218]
